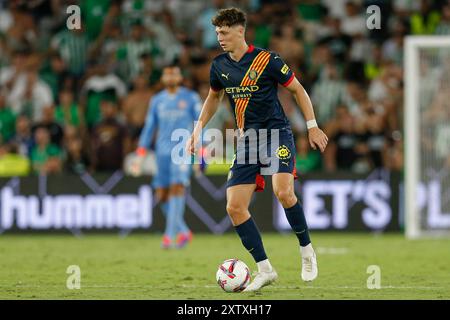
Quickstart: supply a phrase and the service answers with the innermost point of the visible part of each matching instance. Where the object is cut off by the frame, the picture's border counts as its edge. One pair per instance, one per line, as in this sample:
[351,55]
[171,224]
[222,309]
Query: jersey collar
[250,49]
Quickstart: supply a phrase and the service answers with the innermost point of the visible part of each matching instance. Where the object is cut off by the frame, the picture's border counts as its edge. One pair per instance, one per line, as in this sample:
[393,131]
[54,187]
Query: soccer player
[250,77]
[175,107]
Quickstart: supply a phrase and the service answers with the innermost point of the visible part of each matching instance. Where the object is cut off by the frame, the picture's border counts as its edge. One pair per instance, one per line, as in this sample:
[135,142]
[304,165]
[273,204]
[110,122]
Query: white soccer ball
[233,275]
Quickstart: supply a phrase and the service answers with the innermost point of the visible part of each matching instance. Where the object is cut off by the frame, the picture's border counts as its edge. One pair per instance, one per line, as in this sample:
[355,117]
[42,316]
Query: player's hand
[136,166]
[190,145]
[317,139]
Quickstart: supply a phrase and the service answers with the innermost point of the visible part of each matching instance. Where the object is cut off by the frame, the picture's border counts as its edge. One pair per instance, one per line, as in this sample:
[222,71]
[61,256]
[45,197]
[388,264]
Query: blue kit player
[175,107]
[249,76]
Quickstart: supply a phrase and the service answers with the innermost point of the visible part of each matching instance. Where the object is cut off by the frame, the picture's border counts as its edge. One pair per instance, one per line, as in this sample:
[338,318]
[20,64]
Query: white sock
[264,266]
[307,251]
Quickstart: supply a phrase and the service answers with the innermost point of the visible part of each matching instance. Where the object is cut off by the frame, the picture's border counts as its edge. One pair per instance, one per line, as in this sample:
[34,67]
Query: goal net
[427,136]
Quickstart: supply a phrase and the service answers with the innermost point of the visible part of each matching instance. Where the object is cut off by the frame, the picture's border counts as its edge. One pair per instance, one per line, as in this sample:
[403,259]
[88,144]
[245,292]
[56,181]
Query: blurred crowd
[76,100]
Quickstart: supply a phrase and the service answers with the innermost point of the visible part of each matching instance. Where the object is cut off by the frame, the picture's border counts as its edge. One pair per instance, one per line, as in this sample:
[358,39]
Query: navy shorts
[271,155]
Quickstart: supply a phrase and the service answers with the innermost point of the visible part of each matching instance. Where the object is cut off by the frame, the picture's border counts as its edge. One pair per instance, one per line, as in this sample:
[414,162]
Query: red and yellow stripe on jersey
[258,65]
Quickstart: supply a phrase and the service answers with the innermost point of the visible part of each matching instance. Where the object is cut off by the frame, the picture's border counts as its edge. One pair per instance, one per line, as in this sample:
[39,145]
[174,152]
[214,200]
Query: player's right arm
[209,107]
[208,110]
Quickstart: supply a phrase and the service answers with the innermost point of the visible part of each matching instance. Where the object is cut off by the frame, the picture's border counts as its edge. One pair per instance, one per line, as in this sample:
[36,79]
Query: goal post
[427,136]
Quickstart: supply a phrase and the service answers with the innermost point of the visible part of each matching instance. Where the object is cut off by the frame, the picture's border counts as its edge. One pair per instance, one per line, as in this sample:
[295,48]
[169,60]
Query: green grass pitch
[34,267]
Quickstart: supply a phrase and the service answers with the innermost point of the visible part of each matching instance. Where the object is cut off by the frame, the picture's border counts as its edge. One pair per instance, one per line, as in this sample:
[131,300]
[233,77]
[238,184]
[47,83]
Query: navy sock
[296,218]
[251,239]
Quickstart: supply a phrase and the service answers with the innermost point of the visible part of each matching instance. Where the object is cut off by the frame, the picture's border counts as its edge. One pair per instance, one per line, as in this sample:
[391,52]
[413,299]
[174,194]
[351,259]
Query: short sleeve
[214,80]
[279,70]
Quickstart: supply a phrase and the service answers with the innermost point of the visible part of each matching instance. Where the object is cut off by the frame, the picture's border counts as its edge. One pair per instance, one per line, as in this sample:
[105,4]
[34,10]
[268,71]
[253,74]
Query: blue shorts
[272,157]
[169,173]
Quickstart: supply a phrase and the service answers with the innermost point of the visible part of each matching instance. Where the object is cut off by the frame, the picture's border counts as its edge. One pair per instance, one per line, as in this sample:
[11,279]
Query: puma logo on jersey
[225,76]
[286,163]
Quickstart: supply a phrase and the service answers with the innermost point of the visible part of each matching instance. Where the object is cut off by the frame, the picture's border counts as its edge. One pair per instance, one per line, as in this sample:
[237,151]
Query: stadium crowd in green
[75,100]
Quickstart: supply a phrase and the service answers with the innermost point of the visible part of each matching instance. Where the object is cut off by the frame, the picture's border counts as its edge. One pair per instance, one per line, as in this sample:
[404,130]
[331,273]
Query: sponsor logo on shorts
[283,152]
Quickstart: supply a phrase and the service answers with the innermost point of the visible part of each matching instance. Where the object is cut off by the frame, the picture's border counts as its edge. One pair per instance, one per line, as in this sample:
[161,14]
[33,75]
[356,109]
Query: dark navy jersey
[251,85]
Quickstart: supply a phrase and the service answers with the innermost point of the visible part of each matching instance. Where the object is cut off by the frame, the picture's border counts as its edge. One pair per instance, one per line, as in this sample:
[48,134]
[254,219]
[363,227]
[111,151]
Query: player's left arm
[317,138]
[281,73]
